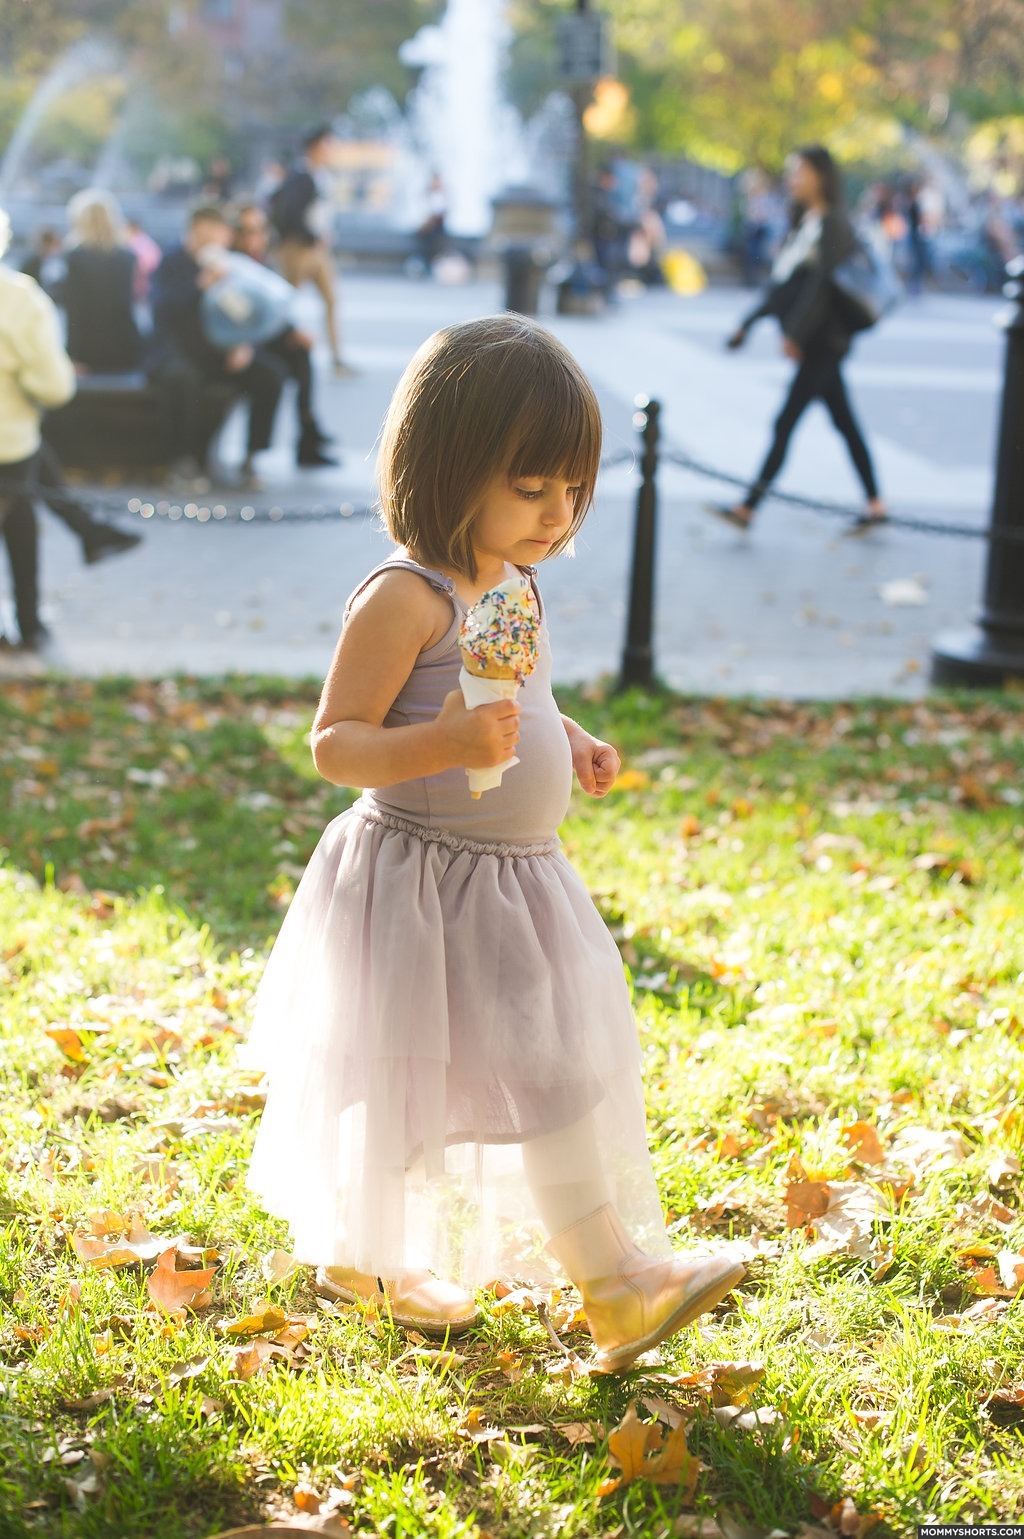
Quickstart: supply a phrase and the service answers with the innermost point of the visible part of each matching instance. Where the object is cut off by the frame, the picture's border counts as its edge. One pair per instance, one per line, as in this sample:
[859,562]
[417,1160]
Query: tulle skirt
[435,1015]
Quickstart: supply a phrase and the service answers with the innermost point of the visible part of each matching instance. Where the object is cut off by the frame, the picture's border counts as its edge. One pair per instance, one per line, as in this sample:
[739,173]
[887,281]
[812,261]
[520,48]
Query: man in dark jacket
[183,362]
[300,214]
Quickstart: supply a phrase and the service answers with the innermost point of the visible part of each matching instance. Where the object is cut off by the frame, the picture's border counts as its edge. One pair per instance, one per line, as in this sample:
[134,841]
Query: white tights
[566,1174]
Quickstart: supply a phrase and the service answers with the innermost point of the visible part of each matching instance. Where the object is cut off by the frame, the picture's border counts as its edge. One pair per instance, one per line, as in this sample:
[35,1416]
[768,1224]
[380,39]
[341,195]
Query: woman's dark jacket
[805,304]
[98,297]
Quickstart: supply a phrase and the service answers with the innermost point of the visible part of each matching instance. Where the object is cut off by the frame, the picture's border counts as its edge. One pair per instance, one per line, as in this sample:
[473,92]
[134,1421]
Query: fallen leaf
[269,1317]
[247,1361]
[864,1142]
[171,1290]
[928,1149]
[641,1452]
[278,1266]
[69,1042]
[576,1433]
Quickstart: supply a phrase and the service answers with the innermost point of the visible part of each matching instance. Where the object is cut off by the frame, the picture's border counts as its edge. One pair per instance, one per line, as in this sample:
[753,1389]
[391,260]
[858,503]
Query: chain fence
[203,508]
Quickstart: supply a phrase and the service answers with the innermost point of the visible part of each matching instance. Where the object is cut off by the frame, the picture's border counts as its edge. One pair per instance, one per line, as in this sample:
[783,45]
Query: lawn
[822,915]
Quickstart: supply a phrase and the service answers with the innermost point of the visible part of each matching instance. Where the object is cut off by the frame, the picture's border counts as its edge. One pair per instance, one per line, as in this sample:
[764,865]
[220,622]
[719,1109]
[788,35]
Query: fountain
[84,60]
[459,125]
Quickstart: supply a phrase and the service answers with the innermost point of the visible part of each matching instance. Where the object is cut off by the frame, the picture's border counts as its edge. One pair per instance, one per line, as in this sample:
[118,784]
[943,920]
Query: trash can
[525,234]
[524,275]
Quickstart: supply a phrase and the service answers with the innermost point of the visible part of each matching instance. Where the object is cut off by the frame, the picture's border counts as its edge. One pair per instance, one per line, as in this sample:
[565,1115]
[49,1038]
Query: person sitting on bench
[291,344]
[183,361]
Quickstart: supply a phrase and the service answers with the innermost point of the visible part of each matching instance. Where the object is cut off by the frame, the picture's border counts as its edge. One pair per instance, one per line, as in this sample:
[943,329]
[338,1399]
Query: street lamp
[584,55]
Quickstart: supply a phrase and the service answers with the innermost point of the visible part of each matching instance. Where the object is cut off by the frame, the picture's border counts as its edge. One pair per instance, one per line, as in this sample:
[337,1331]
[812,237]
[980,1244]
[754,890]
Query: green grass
[822,914]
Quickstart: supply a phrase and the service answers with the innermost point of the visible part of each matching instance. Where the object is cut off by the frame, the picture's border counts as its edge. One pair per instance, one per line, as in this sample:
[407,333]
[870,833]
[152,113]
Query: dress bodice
[534,794]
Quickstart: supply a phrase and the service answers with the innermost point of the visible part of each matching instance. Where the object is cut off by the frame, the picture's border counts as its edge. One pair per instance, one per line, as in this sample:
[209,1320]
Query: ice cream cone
[498,646]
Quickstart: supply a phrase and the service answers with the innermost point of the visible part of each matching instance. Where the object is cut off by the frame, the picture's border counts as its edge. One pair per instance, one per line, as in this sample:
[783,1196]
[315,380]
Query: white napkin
[478,691]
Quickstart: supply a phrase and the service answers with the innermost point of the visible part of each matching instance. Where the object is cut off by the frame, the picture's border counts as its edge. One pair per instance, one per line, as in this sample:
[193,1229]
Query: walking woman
[814,333]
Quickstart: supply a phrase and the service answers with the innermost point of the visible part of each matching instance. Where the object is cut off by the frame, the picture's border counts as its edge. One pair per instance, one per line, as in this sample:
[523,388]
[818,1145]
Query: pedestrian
[45,262]
[148,257]
[431,236]
[96,291]
[99,287]
[35,373]
[292,345]
[816,334]
[184,362]
[300,213]
[454,1070]
[918,239]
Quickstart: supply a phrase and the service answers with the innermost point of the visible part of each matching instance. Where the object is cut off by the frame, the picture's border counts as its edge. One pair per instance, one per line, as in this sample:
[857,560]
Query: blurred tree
[340,49]
[736,82]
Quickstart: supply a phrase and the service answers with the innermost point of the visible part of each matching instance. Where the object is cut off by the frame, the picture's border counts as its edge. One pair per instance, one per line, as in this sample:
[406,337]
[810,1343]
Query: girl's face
[802,181]
[521,518]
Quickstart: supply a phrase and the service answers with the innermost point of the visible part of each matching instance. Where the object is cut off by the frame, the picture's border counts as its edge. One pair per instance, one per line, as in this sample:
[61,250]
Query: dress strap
[437,580]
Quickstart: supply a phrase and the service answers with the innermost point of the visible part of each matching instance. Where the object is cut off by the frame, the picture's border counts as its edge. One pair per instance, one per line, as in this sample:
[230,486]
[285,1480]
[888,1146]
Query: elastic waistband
[444,836]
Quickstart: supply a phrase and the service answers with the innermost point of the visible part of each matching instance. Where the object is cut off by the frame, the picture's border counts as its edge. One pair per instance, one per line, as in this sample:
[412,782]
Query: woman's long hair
[96,219]
[820,160]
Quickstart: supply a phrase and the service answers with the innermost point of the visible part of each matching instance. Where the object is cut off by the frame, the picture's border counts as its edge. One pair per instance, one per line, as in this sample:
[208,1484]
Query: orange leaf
[805,1200]
[248,1361]
[864,1143]
[270,1318]
[631,1441]
[637,1448]
[172,1290]
[69,1042]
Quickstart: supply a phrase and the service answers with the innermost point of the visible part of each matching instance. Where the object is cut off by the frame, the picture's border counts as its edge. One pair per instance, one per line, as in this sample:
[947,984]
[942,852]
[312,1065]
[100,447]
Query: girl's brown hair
[481,399]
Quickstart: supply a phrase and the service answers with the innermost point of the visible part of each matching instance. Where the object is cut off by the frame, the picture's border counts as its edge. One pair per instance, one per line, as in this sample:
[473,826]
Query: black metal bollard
[991,651]
[524,274]
[637,655]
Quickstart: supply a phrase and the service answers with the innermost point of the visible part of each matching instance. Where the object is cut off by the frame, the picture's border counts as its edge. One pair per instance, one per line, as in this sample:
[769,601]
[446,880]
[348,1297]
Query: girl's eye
[529,493]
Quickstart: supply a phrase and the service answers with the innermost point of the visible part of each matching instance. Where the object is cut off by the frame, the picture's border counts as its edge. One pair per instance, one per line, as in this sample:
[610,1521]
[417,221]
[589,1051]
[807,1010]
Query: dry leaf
[69,1042]
[278,1266]
[252,1359]
[173,1290]
[864,1143]
[841,1213]
[576,1432]
[640,1451]
[928,1149]
[269,1317]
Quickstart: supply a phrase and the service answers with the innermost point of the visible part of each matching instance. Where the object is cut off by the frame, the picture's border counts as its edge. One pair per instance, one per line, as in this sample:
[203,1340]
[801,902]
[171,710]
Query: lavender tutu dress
[442,995]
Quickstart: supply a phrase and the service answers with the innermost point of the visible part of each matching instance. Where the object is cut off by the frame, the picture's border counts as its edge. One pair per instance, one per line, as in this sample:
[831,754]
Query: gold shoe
[417,1301]
[634,1301]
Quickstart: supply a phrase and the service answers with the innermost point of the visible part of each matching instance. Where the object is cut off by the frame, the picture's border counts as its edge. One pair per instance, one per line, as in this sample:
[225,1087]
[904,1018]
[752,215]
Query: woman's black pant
[819,378]
[18,520]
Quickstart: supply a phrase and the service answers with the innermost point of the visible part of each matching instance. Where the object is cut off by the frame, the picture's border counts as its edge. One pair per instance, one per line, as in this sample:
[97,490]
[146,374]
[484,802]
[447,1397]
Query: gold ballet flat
[417,1301]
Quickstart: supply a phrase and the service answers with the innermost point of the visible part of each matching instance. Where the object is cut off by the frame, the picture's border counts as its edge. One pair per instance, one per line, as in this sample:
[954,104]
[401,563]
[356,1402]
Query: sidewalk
[793,609]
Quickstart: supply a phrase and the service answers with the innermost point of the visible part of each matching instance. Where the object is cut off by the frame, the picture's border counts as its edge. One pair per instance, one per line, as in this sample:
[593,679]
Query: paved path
[794,609]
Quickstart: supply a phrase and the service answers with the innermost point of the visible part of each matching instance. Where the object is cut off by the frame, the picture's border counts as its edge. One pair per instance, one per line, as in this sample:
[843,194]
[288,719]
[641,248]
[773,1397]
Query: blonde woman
[99,290]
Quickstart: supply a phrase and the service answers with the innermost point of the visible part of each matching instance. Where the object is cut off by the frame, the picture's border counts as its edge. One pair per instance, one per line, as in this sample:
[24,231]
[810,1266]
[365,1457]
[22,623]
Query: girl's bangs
[558,434]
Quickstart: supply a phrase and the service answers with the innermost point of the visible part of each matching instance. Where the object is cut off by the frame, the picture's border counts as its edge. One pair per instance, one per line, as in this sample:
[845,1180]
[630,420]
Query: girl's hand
[792,350]
[596,763]
[480,738]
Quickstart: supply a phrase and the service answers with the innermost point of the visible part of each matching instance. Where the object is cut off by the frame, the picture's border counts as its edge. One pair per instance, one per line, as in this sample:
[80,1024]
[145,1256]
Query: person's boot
[311,431]
[310,452]
[634,1301]
[417,1300]
[104,540]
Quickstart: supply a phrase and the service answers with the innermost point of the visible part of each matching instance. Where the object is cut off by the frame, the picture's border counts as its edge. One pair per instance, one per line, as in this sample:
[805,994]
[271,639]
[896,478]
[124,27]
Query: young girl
[454,1070]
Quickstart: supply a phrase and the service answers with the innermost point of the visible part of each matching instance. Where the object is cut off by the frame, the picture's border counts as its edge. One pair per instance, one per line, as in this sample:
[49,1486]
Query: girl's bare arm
[388,627]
